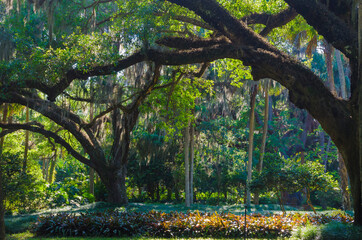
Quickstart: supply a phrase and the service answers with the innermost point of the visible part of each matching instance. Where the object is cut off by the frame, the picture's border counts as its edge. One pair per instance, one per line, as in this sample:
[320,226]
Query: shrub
[330,231]
[175,224]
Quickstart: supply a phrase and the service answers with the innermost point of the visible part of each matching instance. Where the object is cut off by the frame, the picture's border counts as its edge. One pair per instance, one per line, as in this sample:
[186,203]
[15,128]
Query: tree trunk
[2,208]
[115,177]
[265,133]
[177,193]
[187,165]
[308,200]
[169,194]
[2,193]
[343,183]
[218,174]
[26,149]
[52,163]
[342,78]
[280,198]
[157,192]
[115,182]
[4,120]
[91,180]
[91,170]
[356,179]
[322,141]
[192,158]
[328,49]
[265,127]
[253,93]
[327,150]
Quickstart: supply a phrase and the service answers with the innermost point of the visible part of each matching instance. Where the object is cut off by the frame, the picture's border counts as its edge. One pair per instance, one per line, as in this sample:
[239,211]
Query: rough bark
[343,183]
[253,93]
[115,182]
[357,193]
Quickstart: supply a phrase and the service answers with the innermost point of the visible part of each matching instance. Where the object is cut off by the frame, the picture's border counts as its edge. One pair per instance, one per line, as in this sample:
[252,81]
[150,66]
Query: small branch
[147,89]
[108,110]
[202,70]
[271,21]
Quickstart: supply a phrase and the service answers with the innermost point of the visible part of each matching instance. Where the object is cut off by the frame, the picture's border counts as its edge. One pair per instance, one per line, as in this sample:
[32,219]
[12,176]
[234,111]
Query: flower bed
[175,224]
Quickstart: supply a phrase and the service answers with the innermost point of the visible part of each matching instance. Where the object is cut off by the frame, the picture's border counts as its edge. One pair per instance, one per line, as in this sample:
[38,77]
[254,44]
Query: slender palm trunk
[187,165]
[52,163]
[342,77]
[4,119]
[192,158]
[264,137]
[2,208]
[26,148]
[254,91]
[342,170]
[91,170]
[2,193]
[328,49]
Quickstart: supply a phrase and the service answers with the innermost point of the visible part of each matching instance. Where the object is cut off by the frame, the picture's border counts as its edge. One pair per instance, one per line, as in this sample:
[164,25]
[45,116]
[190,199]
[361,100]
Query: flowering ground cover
[114,223]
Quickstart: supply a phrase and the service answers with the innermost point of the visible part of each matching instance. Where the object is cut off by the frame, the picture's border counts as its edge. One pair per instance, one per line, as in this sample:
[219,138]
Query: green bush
[24,191]
[330,231]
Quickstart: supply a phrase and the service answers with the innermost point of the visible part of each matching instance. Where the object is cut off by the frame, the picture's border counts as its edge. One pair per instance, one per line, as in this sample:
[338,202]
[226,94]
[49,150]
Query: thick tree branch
[188,43]
[306,90]
[31,127]
[186,19]
[71,75]
[3,133]
[335,30]
[215,15]
[66,119]
[271,21]
[164,57]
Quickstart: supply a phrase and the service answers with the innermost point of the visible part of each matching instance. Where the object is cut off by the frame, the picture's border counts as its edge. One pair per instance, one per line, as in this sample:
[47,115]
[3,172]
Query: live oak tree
[336,21]
[228,34]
